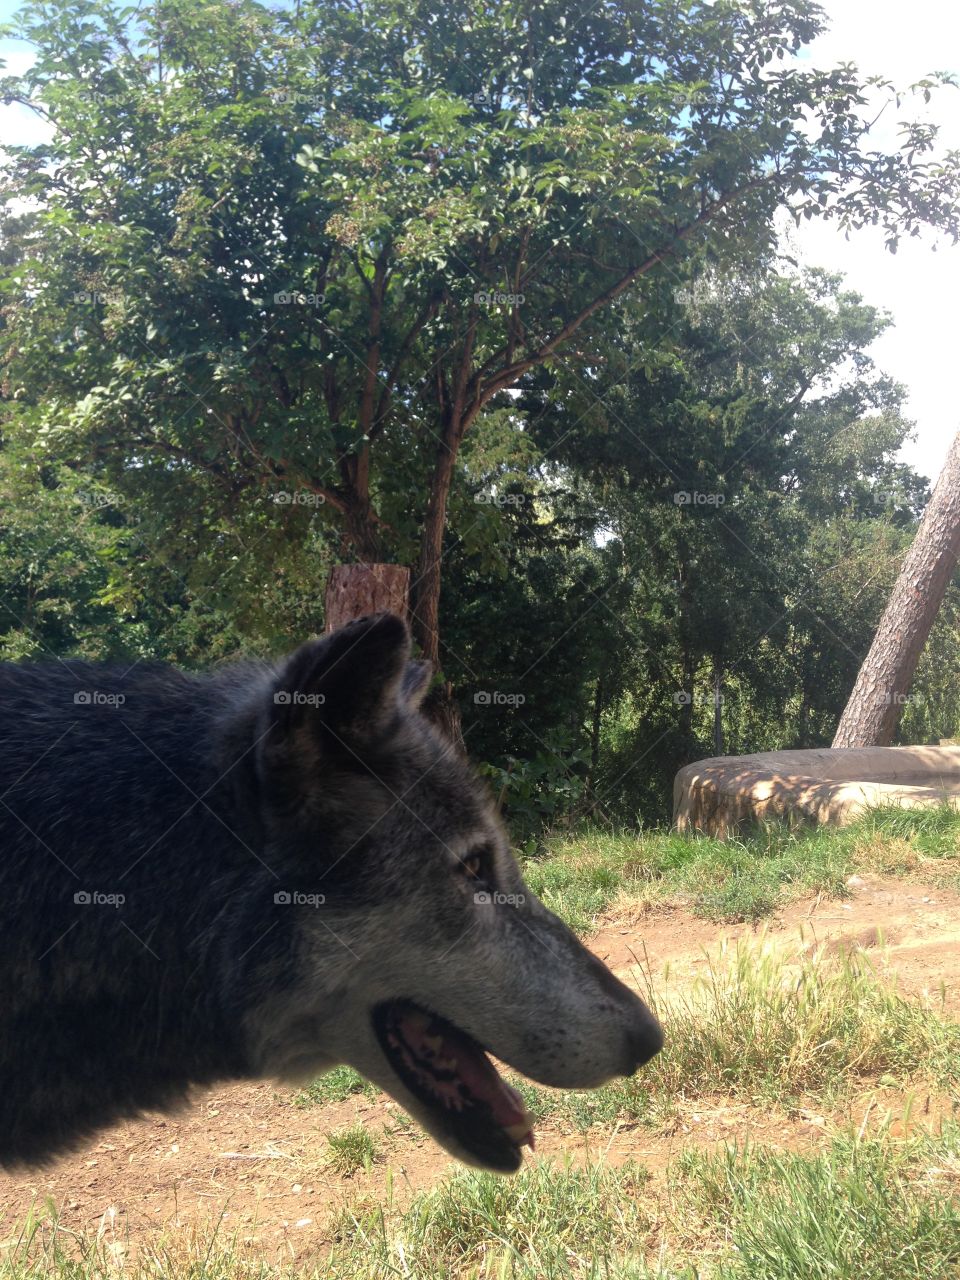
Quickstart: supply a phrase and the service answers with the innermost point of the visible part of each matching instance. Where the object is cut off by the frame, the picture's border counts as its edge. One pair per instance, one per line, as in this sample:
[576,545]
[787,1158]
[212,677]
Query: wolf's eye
[477,866]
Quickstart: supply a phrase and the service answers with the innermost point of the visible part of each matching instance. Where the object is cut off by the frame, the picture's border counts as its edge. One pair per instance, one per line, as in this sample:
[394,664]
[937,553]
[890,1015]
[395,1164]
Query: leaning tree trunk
[870,717]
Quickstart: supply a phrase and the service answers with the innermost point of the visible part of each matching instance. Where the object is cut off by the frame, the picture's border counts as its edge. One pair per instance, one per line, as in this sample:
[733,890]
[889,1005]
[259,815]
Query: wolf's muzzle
[642,1032]
[644,1039]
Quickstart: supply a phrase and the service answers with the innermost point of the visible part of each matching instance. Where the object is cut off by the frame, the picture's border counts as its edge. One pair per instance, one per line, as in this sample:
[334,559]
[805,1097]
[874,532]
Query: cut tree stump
[819,785]
[357,590]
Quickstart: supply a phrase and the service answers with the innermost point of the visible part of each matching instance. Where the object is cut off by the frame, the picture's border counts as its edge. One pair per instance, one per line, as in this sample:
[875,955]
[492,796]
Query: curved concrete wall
[821,785]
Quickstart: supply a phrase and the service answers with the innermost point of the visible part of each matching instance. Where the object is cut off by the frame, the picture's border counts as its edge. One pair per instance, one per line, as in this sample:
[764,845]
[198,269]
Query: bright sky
[904,40]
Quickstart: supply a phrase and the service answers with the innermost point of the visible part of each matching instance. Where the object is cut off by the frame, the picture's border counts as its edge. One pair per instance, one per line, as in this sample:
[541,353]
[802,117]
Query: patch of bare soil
[247,1157]
[910,930]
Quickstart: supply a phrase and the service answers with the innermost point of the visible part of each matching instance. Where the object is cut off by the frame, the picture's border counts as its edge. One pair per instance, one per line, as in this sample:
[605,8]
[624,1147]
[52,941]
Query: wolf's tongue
[483,1080]
[472,1066]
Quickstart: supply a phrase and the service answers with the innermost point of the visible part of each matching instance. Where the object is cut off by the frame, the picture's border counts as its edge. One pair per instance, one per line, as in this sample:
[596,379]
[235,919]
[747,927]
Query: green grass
[548,1221]
[578,876]
[335,1086]
[352,1149]
[43,1250]
[756,1025]
[873,1208]
[864,1209]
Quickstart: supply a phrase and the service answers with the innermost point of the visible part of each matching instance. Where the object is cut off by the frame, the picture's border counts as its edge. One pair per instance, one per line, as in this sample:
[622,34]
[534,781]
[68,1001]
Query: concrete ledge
[824,785]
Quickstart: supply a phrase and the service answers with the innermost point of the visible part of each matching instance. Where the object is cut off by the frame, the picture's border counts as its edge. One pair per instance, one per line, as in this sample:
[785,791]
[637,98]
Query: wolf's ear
[415,683]
[346,686]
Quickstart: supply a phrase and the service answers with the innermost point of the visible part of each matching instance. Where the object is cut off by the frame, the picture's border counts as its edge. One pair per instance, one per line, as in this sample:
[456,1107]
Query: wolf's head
[417,946]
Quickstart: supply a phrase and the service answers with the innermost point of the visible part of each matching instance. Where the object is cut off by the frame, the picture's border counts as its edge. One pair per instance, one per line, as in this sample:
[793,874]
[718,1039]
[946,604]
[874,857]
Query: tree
[871,715]
[763,407]
[304,253]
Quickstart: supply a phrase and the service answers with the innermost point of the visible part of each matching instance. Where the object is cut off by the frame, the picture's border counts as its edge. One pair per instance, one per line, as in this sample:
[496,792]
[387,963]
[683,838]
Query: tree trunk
[440,705]
[717,709]
[426,593]
[873,711]
[595,728]
[361,534]
[356,590]
[803,715]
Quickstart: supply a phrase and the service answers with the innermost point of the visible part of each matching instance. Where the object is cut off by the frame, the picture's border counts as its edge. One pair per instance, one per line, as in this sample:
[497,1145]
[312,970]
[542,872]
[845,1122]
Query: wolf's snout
[644,1040]
[643,1033]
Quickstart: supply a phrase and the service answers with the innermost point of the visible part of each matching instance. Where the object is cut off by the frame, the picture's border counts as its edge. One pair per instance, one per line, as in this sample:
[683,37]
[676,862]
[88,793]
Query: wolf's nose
[644,1040]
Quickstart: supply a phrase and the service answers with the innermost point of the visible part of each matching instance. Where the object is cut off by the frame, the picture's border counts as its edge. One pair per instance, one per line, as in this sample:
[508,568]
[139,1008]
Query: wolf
[265,872]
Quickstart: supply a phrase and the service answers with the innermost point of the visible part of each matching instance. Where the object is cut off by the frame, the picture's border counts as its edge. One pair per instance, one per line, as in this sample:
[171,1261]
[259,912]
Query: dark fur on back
[108,1009]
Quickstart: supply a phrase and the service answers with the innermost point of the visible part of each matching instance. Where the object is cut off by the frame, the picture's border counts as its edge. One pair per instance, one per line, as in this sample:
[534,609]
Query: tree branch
[380,416]
[508,375]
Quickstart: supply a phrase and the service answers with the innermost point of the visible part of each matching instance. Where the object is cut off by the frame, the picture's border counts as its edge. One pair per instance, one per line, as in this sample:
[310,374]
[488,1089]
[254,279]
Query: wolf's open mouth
[449,1072]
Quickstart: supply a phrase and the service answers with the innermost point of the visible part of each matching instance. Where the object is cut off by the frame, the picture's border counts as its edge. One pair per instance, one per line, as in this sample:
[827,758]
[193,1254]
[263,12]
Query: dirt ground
[245,1156]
